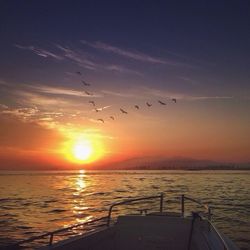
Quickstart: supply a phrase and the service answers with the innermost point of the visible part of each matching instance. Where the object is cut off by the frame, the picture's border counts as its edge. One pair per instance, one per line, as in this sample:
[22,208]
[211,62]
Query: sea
[32,203]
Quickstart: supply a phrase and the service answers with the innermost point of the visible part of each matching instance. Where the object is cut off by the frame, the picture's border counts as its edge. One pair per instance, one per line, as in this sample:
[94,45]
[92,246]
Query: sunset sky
[131,53]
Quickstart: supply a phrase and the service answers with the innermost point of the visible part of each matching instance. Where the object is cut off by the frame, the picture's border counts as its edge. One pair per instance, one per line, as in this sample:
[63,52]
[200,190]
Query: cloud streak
[23,113]
[127,53]
[119,94]
[58,91]
[83,61]
[145,91]
[40,52]
[77,57]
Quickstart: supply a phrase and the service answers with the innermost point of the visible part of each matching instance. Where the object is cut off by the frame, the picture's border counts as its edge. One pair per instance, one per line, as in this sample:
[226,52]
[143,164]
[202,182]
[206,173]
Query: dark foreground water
[35,202]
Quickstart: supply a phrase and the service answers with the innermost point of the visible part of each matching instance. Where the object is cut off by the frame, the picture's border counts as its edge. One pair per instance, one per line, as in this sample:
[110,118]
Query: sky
[68,70]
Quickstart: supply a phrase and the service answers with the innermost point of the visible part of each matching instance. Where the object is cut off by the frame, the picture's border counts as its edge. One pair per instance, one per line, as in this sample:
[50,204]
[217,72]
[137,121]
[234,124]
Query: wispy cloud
[24,113]
[28,98]
[188,80]
[84,61]
[77,57]
[126,53]
[40,52]
[2,82]
[180,96]
[119,94]
[121,69]
[57,91]
[3,106]
[34,107]
[207,97]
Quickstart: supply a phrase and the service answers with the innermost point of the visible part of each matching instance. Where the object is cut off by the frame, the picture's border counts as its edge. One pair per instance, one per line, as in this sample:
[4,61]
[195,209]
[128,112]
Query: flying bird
[174,100]
[123,111]
[85,83]
[136,106]
[93,103]
[87,93]
[101,120]
[162,103]
[102,108]
[112,117]
[78,73]
[148,104]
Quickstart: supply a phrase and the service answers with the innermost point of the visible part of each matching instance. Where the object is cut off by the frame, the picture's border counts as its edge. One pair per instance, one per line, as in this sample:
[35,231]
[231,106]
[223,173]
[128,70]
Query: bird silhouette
[102,108]
[112,117]
[93,103]
[85,83]
[136,106]
[148,104]
[123,111]
[101,120]
[174,100]
[78,73]
[87,93]
[162,103]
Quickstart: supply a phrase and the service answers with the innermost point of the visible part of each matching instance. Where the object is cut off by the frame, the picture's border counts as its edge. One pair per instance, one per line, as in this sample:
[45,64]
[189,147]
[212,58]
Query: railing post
[182,205]
[109,215]
[209,214]
[51,239]
[161,203]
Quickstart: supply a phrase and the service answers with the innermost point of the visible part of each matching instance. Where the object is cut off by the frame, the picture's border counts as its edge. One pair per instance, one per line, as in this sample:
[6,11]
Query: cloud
[188,80]
[83,61]
[2,82]
[121,69]
[138,56]
[3,106]
[207,97]
[57,91]
[22,113]
[118,94]
[78,58]
[45,101]
[40,52]
[145,91]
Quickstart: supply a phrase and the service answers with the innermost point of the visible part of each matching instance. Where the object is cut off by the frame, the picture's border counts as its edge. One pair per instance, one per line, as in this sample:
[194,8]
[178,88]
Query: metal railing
[107,219]
[50,235]
[134,200]
[225,245]
[209,217]
[207,207]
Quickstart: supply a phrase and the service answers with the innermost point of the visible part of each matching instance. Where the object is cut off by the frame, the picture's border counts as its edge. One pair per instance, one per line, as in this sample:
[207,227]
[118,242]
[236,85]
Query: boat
[147,230]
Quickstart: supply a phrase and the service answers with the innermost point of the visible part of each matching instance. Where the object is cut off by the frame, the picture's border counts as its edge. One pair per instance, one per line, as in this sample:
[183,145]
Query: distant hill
[175,163]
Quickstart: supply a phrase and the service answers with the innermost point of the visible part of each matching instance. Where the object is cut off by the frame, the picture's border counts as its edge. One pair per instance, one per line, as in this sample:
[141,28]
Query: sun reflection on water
[79,208]
[80,181]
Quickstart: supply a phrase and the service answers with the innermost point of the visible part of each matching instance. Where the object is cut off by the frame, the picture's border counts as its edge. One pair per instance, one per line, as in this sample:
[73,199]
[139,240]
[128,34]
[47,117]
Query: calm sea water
[35,202]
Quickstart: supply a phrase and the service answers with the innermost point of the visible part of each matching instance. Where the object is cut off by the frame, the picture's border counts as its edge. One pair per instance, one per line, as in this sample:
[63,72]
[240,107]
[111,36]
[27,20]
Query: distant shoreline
[128,169]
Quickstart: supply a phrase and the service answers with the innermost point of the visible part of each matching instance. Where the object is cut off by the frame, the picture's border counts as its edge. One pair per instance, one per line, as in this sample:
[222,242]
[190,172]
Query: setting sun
[82,151]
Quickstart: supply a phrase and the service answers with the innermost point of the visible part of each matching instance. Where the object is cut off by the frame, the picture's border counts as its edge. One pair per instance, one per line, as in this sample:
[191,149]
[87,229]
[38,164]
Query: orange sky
[188,128]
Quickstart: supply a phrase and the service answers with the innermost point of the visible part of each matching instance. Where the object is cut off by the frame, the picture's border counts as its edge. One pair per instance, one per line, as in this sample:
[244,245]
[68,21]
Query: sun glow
[82,149]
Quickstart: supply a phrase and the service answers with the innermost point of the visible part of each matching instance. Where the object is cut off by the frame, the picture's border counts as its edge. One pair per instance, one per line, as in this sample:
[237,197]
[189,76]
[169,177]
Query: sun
[82,151]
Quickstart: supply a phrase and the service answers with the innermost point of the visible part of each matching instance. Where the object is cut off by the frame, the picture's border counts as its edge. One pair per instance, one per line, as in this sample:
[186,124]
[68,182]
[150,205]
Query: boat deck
[151,232]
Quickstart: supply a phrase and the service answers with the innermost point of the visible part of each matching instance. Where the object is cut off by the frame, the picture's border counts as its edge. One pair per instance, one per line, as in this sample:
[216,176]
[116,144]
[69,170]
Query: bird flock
[122,110]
